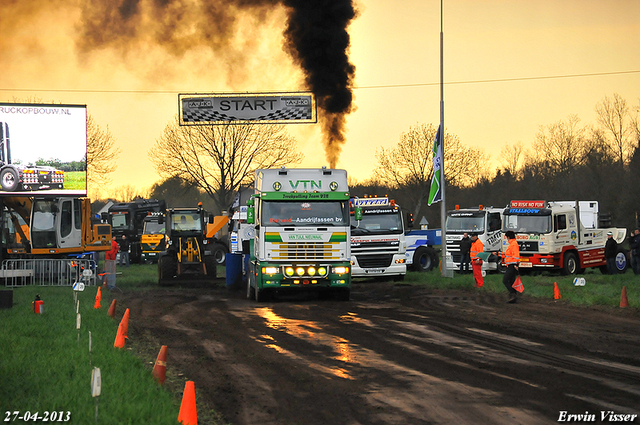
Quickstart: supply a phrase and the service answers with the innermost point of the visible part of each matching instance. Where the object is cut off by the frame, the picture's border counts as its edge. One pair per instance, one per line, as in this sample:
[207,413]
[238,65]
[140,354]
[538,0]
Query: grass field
[46,366]
[599,289]
[75,180]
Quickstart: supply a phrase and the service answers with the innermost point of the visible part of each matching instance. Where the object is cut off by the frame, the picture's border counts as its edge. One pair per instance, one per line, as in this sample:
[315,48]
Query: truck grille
[528,246]
[375,260]
[306,251]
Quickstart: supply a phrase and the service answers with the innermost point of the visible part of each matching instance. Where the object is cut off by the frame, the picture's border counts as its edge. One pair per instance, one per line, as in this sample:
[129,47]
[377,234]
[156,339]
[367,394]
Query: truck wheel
[424,259]
[622,263]
[571,264]
[167,269]
[262,295]
[219,252]
[9,180]
[210,264]
[342,294]
[250,290]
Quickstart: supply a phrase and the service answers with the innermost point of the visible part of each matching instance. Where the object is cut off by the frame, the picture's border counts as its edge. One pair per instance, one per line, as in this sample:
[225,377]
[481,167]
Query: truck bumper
[270,275]
[398,267]
[392,270]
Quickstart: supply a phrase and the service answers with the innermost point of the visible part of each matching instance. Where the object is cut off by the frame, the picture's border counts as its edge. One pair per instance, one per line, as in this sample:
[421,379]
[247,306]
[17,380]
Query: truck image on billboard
[40,145]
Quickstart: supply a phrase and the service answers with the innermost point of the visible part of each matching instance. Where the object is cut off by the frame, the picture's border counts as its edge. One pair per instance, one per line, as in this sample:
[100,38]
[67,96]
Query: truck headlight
[270,270]
[289,271]
[341,270]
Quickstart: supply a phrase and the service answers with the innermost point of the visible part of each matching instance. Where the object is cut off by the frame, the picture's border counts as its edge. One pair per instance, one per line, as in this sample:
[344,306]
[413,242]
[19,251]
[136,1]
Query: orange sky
[498,57]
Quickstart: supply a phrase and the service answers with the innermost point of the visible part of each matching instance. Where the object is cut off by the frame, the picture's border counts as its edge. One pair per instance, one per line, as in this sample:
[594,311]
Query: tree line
[566,161]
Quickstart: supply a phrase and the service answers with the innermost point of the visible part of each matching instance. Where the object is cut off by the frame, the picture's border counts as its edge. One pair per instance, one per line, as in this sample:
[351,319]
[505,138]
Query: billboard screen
[247,108]
[43,149]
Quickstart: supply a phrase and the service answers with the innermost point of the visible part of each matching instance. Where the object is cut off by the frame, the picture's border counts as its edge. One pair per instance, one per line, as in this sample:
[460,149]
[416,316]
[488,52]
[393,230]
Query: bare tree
[512,156]
[561,146]
[410,164]
[127,193]
[614,116]
[101,154]
[220,158]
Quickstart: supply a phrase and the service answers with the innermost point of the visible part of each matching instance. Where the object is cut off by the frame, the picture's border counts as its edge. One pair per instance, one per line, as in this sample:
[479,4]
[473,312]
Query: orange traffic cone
[98,298]
[556,291]
[623,299]
[188,413]
[160,368]
[112,310]
[119,343]
[125,323]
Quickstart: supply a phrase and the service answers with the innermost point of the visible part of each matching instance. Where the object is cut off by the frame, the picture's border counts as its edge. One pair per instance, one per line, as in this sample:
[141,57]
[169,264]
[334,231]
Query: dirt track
[394,354]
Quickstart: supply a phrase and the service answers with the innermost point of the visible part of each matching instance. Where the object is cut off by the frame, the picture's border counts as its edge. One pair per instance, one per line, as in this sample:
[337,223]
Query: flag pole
[443,208]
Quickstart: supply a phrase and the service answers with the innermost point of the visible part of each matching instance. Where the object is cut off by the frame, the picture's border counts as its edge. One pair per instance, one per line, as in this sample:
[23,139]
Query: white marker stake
[78,320]
[96,387]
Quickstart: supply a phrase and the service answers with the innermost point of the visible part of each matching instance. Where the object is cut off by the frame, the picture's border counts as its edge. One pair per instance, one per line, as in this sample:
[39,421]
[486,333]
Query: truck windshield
[377,224]
[186,222]
[304,213]
[119,221]
[465,222]
[527,223]
[153,228]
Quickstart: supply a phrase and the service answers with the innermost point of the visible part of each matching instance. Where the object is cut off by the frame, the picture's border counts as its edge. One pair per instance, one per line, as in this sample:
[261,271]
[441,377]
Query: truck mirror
[211,219]
[160,219]
[409,220]
[251,214]
[104,217]
[357,213]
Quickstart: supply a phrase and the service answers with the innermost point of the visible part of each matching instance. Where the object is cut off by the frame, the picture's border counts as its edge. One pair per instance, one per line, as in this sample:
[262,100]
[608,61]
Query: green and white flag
[435,194]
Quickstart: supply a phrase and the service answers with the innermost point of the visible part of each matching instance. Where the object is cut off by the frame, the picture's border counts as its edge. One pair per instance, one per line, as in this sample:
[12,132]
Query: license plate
[374,271]
[525,265]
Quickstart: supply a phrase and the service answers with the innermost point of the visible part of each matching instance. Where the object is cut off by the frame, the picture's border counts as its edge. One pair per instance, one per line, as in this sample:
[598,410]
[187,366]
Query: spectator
[465,251]
[512,260]
[110,264]
[124,251]
[610,252]
[634,254]
[476,262]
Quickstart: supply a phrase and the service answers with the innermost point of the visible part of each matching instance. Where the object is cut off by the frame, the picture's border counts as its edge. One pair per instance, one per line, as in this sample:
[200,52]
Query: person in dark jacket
[465,251]
[124,251]
[610,252]
[634,254]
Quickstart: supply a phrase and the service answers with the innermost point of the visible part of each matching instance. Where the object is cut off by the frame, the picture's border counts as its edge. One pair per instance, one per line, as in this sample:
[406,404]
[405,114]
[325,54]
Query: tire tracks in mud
[411,357]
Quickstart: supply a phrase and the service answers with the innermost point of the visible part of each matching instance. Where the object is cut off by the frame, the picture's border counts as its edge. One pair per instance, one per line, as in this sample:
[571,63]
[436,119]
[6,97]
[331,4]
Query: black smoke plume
[316,38]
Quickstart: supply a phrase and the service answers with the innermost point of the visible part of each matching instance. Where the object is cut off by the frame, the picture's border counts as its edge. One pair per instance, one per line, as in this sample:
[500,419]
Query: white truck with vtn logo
[301,241]
[377,238]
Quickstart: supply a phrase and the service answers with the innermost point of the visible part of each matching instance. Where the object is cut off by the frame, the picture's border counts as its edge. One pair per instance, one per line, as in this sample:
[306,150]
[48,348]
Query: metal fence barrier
[47,272]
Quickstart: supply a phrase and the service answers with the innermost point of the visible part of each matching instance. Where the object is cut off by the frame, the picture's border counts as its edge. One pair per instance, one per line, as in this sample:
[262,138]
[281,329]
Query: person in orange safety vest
[511,260]
[476,263]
